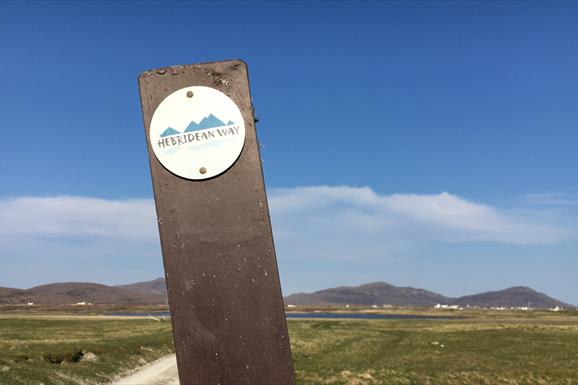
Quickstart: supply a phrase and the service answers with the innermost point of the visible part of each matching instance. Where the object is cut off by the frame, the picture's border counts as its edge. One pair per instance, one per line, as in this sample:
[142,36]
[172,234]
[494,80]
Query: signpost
[227,310]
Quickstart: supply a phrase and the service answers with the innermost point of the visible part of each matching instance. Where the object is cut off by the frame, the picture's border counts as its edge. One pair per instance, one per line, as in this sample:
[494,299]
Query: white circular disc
[197,132]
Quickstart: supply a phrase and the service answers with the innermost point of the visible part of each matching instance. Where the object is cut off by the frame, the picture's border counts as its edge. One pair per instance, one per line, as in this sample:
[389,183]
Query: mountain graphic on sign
[169,131]
[210,121]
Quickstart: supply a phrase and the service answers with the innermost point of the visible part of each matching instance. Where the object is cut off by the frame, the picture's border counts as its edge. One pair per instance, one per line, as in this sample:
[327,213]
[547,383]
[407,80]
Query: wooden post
[224,293]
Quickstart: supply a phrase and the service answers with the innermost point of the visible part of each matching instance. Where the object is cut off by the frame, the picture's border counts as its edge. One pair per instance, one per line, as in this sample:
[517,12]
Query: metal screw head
[202,170]
[189,94]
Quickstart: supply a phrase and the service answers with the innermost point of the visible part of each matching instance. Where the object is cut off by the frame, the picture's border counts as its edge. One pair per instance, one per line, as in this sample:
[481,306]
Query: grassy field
[512,351]
[488,348]
[76,350]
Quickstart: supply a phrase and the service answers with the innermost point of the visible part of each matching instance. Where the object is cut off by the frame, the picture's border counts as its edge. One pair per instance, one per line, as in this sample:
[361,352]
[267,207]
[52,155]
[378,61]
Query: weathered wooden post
[224,293]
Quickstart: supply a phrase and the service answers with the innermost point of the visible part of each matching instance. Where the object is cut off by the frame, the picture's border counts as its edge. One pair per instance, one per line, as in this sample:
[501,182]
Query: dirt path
[159,372]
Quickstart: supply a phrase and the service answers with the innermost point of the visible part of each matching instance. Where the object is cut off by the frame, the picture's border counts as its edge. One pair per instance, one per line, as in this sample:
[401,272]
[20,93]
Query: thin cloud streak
[552,199]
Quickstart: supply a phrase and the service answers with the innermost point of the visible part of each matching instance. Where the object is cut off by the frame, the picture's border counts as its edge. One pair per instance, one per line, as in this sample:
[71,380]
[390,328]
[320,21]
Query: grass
[456,352]
[75,350]
[488,349]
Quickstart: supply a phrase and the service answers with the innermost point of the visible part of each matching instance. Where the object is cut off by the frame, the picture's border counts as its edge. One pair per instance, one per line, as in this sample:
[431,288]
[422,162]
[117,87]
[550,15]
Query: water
[156,315]
[365,316]
[316,316]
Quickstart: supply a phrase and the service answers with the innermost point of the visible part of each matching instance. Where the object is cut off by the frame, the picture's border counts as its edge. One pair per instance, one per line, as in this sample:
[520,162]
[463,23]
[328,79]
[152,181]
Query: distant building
[453,307]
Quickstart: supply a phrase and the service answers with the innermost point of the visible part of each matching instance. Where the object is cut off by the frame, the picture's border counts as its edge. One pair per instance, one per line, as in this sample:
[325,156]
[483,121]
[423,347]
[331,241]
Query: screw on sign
[225,298]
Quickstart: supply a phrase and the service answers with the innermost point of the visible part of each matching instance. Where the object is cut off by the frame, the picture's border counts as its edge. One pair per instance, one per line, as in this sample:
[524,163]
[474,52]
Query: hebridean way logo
[210,127]
[197,132]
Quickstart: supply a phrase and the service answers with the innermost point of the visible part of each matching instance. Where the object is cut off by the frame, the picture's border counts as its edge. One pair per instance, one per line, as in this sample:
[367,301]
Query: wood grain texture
[223,285]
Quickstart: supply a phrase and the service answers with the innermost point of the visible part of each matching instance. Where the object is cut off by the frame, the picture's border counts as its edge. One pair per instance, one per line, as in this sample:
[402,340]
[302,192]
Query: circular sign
[197,132]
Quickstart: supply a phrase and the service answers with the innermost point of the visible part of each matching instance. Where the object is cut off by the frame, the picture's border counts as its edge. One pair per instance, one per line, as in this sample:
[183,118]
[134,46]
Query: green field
[77,350]
[478,352]
[513,349]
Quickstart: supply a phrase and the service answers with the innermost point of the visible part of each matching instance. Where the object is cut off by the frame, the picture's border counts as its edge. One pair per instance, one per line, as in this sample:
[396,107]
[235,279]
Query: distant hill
[74,292]
[6,291]
[381,293]
[154,287]
[514,296]
[376,293]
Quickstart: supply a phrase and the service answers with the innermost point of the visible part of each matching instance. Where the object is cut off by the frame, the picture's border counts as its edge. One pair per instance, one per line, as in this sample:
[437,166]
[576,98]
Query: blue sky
[430,144]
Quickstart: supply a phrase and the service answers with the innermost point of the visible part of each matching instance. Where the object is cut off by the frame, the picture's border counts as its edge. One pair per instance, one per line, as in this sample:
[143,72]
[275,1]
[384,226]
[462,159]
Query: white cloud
[58,236]
[78,216]
[443,217]
[349,210]
[64,238]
